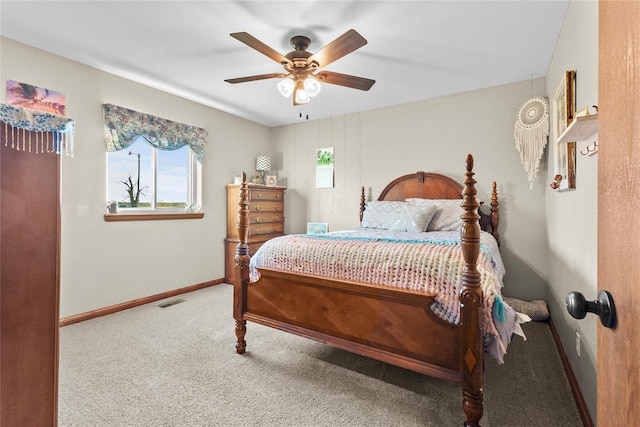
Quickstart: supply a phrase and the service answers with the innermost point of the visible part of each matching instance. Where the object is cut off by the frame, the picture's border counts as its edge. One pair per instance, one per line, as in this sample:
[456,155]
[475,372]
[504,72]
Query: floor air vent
[170,303]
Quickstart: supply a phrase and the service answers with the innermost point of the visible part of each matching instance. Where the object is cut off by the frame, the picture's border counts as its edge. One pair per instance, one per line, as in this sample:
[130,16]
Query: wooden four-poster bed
[390,324]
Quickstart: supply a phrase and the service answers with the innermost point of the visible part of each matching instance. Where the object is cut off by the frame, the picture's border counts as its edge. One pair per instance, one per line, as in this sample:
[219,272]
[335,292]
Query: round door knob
[578,307]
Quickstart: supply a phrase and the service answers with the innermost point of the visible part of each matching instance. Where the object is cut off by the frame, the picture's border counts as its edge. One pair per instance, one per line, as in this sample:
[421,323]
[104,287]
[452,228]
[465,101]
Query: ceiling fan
[302,76]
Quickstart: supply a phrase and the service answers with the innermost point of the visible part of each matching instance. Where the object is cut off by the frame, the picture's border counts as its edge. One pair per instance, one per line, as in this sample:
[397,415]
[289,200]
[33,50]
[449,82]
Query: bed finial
[471,303]
[242,264]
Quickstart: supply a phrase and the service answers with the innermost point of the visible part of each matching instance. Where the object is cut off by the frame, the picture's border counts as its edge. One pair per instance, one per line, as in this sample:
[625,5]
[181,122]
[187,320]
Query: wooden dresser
[266,221]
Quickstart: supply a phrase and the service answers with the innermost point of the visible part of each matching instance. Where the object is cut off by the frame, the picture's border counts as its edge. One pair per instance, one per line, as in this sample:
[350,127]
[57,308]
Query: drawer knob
[258,219]
[277,208]
[257,207]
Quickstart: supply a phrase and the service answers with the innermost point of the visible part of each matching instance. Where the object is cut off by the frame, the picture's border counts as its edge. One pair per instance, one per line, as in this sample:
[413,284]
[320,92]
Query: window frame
[194,194]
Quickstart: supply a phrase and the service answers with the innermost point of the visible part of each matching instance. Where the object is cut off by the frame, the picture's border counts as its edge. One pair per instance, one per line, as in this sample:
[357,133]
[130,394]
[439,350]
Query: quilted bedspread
[427,261]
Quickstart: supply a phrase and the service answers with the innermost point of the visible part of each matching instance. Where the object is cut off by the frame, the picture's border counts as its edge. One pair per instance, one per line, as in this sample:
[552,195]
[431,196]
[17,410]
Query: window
[143,177]
[153,164]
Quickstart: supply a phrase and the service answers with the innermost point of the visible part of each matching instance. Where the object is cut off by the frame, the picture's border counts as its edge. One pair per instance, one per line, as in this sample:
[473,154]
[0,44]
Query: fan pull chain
[306,115]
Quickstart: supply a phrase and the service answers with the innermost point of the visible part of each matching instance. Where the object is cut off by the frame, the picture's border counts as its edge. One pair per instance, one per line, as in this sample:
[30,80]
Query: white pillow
[415,218]
[447,215]
[382,214]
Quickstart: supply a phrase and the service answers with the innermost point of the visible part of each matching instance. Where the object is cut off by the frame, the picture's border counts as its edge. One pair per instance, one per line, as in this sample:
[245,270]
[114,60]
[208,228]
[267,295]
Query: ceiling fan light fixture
[303,76]
[301,96]
[286,87]
[312,86]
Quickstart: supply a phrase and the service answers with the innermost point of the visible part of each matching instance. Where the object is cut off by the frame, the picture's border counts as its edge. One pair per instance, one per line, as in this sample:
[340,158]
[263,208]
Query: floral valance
[37,131]
[123,126]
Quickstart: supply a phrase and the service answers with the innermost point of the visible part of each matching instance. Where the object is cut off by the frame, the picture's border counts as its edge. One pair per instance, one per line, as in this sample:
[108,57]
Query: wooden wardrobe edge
[573,382]
[135,303]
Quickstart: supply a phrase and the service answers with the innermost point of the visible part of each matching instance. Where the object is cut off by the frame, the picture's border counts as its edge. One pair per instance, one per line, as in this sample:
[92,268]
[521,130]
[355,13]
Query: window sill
[146,216]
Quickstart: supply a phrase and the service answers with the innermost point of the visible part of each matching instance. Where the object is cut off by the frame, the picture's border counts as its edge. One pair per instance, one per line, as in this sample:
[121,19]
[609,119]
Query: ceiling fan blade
[343,45]
[256,44]
[347,80]
[257,77]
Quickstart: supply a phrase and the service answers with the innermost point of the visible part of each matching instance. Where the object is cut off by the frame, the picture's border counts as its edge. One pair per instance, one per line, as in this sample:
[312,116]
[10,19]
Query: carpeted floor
[177,366]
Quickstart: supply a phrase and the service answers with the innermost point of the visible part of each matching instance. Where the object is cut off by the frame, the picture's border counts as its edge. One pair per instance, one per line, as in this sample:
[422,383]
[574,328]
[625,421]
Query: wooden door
[29,284]
[619,210]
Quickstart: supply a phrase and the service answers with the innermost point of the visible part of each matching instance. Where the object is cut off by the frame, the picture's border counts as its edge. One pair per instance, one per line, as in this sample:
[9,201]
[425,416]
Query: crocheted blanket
[430,262]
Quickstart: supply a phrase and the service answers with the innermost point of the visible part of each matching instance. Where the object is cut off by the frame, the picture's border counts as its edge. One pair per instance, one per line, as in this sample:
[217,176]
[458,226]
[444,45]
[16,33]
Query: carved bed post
[495,215]
[242,263]
[363,203]
[471,304]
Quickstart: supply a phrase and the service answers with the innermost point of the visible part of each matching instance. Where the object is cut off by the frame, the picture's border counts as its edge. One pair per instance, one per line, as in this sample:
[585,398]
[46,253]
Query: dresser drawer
[266,229]
[265,217]
[266,207]
[256,195]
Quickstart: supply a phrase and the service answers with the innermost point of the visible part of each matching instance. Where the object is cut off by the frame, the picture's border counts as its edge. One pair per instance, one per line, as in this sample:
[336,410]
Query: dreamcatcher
[530,132]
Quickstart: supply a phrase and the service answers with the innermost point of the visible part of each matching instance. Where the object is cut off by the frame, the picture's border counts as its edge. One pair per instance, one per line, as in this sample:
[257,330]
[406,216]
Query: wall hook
[590,150]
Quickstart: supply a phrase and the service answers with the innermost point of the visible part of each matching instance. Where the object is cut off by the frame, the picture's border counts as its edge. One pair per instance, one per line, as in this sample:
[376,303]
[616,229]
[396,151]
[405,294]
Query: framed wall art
[35,97]
[324,167]
[563,112]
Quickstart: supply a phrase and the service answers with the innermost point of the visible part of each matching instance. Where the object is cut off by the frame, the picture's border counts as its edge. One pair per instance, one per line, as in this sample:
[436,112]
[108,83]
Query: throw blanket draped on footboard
[429,262]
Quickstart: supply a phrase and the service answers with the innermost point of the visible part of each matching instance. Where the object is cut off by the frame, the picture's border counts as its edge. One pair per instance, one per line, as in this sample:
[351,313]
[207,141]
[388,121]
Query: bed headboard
[427,185]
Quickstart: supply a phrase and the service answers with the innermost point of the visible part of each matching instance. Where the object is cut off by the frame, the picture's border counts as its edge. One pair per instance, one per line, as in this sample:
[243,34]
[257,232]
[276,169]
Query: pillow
[415,218]
[536,309]
[447,215]
[382,214]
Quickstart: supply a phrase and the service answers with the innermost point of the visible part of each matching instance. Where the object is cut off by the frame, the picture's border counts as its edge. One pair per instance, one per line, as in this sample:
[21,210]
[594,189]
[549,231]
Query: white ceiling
[416,49]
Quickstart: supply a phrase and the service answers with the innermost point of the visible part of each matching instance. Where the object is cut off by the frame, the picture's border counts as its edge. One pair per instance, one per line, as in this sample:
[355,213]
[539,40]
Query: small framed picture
[317,227]
[563,112]
[271,180]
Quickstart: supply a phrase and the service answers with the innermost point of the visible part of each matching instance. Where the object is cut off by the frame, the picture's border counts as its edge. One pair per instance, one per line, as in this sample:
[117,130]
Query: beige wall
[435,135]
[572,216]
[109,263]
